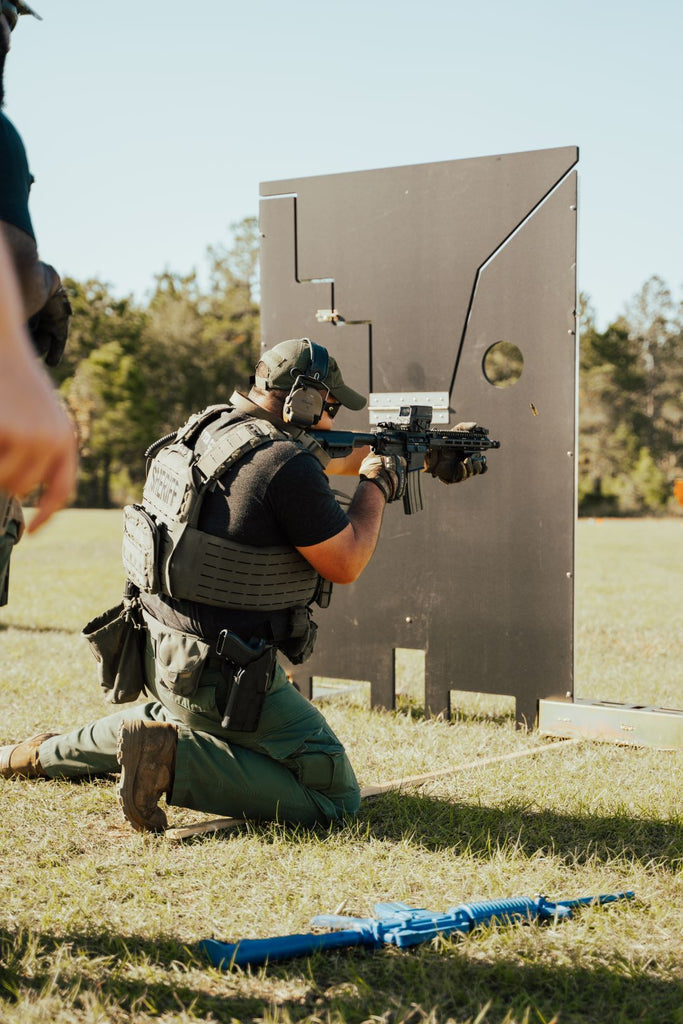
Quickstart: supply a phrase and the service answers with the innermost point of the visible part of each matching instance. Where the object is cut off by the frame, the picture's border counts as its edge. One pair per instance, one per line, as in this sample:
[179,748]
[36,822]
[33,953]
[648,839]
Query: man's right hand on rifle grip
[388,472]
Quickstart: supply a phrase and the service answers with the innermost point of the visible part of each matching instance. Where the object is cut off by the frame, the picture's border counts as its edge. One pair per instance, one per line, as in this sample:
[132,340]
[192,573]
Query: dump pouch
[252,666]
[116,639]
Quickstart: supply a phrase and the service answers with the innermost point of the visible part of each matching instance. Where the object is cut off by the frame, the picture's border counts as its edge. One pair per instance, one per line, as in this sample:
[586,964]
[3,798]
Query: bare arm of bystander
[37,441]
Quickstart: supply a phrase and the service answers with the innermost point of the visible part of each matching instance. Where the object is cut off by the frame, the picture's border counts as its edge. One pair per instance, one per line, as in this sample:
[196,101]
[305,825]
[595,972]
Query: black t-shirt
[15,178]
[278,494]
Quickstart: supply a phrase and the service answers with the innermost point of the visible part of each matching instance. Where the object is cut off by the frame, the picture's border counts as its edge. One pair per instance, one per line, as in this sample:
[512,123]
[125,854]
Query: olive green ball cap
[282,364]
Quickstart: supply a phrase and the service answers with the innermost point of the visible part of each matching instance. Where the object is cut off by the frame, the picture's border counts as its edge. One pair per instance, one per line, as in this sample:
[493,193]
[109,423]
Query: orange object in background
[678,490]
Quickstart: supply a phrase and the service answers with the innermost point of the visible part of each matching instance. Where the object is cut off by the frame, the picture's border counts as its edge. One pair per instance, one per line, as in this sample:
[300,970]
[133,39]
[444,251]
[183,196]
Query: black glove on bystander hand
[49,327]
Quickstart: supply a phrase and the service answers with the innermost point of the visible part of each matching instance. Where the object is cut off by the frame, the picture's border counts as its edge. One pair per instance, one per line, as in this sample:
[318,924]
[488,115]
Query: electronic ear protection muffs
[304,404]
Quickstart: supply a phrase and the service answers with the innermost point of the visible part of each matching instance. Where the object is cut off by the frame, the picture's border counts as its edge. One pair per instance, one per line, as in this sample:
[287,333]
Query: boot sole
[129,747]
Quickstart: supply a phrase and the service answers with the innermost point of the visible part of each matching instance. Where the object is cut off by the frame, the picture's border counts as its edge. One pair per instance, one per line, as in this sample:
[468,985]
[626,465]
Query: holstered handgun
[252,666]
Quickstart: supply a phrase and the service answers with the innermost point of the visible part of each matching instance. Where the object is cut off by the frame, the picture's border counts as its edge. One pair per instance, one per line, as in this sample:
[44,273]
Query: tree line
[134,372]
[631,406]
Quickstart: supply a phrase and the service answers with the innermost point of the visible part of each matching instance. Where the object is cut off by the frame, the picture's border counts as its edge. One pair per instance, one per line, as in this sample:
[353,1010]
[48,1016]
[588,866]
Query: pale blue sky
[150,125]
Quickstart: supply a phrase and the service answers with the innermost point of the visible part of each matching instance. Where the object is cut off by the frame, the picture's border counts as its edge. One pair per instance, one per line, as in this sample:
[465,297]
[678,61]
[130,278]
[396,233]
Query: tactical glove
[388,472]
[450,467]
[49,327]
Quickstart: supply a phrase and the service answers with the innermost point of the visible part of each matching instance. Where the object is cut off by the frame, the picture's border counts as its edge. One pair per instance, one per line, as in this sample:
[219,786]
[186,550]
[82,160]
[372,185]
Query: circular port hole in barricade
[503,364]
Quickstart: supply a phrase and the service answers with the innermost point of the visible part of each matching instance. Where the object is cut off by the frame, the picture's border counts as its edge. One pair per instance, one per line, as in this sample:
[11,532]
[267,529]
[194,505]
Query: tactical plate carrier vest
[164,552]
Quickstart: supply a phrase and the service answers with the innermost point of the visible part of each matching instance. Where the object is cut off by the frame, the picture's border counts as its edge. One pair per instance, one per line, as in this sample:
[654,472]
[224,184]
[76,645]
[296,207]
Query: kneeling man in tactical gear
[237,538]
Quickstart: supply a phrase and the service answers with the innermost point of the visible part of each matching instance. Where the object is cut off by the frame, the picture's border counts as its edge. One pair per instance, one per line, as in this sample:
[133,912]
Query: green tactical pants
[292,768]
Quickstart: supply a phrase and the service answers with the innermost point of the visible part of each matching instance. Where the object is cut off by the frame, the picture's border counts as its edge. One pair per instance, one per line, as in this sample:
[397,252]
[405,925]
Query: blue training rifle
[396,924]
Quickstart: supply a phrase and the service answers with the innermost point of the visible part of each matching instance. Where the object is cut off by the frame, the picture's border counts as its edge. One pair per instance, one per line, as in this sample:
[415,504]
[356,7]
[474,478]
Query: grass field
[99,924]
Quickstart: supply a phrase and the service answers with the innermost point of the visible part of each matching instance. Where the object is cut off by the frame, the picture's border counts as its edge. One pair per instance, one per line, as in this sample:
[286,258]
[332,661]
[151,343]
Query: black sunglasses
[331,408]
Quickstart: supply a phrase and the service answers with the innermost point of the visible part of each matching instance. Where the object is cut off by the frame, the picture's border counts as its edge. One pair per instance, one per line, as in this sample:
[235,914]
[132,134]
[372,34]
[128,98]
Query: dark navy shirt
[15,178]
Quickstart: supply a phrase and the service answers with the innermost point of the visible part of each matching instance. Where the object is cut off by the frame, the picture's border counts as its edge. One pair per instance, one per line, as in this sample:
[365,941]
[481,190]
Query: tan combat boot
[146,752]
[21,759]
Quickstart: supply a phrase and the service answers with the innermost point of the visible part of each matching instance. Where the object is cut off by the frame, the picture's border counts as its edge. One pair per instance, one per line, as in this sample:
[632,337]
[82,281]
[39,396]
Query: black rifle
[412,438]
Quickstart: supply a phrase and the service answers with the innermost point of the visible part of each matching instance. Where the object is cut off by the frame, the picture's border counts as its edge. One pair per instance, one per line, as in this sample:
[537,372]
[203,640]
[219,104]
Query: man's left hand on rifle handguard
[448,467]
